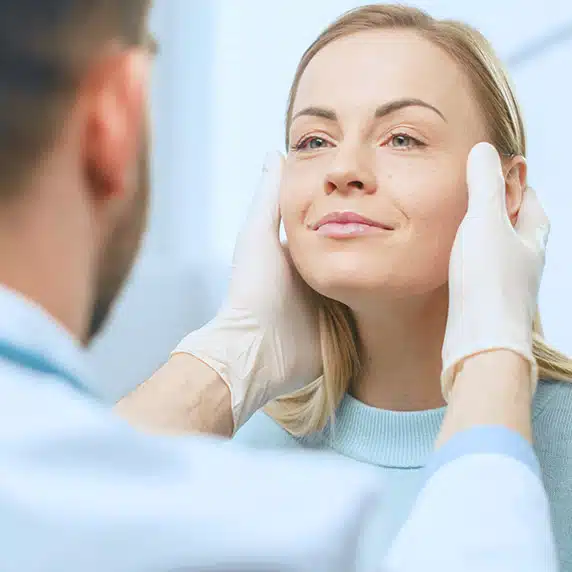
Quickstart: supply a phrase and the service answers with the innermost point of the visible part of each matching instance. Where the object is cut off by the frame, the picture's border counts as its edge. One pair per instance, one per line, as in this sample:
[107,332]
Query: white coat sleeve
[483,509]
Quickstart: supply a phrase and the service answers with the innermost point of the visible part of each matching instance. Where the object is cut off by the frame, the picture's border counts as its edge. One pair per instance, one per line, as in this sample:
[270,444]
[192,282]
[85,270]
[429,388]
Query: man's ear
[115,98]
[515,173]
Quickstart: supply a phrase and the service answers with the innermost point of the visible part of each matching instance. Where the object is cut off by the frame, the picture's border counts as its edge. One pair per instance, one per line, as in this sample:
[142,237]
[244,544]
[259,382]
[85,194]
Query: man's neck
[401,353]
[38,260]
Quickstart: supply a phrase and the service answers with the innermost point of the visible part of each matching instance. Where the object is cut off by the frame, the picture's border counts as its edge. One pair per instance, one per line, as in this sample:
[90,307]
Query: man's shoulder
[40,404]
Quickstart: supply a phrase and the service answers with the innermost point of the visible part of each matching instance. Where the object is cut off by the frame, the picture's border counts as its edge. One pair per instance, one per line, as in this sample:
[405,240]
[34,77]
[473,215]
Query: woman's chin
[367,289]
[329,272]
[356,275]
[348,289]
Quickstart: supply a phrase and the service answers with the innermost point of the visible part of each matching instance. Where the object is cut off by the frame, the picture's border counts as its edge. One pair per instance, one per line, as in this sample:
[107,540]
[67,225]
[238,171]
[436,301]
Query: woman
[384,108]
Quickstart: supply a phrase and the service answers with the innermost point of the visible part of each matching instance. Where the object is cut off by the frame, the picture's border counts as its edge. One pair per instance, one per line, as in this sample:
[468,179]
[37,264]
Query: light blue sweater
[399,443]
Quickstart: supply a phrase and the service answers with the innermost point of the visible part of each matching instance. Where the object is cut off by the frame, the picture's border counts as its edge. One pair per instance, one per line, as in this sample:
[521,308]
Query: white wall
[219,101]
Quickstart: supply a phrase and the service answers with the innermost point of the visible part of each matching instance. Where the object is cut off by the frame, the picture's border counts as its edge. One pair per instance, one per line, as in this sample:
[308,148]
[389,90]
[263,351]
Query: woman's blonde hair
[312,408]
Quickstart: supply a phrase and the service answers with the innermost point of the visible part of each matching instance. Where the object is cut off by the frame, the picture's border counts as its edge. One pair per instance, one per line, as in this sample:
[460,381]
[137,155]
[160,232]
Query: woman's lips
[337,230]
[348,224]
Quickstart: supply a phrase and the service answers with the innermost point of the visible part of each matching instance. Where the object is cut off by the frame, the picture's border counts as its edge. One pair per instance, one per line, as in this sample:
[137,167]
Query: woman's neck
[401,353]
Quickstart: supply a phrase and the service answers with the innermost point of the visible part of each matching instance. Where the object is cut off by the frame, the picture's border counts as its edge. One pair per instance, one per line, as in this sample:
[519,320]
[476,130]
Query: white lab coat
[82,491]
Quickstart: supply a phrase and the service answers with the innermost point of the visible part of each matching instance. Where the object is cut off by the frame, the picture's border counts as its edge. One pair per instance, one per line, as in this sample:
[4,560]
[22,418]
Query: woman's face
[374,183]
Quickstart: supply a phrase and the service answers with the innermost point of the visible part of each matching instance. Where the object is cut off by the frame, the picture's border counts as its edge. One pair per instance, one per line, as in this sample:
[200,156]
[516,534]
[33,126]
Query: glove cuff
[453,364]
[232,349]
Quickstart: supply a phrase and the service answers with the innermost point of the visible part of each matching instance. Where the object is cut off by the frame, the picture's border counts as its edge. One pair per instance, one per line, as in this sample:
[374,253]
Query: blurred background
[219,97]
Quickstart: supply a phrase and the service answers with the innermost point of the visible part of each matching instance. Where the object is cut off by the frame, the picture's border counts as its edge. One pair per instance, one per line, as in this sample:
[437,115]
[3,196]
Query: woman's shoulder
[553,400]
[552,424]
[262,432]
[552,420]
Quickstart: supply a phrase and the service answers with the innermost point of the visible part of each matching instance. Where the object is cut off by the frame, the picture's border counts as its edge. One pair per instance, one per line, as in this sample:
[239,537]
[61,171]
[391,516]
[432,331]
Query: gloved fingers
[485,181]
[532,224]
[264,214]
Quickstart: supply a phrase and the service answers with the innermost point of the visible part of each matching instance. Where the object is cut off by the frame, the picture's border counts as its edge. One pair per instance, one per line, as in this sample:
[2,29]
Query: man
[79,489]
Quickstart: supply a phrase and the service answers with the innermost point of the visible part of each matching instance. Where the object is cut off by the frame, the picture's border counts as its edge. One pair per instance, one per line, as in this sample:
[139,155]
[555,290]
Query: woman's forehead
[371,68]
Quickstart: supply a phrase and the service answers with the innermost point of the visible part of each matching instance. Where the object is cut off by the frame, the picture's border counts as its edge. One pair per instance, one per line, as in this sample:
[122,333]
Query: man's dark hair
[44,47]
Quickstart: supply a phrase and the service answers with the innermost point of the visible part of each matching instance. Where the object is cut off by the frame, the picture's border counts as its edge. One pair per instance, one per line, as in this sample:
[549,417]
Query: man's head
[73,148]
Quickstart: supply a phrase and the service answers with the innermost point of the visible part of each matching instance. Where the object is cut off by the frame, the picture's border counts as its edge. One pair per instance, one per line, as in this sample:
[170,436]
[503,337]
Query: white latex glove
[264,341]
[494,271]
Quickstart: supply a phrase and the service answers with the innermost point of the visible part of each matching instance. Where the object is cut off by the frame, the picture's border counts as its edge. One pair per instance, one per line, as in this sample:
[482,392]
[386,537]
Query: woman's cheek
[298,193]
[435,218]
[441,198]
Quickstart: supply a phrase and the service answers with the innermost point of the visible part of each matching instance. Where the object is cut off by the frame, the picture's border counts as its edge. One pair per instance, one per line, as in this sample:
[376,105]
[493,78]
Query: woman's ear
[515,172]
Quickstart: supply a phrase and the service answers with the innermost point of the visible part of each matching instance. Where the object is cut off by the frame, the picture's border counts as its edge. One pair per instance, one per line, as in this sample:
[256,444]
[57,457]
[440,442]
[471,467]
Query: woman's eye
[312,144]
[404,141]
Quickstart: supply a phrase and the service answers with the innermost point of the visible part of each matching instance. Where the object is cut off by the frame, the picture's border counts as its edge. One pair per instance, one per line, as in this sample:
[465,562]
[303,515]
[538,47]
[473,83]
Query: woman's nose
[350,172]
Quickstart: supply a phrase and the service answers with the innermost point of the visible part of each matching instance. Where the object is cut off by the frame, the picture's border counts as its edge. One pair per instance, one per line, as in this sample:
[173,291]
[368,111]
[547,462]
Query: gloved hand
[264,341]
[494,271]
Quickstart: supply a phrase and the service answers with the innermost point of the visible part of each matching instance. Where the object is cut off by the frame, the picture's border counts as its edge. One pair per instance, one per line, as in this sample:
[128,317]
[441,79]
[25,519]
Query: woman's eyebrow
[313,111]
[382,111]
[396,105]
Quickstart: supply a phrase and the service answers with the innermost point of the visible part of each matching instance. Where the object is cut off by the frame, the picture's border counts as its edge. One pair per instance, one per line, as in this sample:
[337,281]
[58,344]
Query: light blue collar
[394,439]
[32,338]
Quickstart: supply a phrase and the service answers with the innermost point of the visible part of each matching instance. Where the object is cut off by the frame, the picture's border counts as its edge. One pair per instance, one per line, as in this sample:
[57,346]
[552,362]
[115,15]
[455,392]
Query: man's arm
[492,388]
[183,396]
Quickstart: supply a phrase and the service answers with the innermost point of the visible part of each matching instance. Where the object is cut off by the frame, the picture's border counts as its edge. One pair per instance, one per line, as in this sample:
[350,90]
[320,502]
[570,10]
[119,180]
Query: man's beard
[121,250]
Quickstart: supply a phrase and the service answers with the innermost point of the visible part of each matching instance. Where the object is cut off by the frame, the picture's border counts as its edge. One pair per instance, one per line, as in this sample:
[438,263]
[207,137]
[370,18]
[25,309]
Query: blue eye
[311,144]
[401,140]
[404,141]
